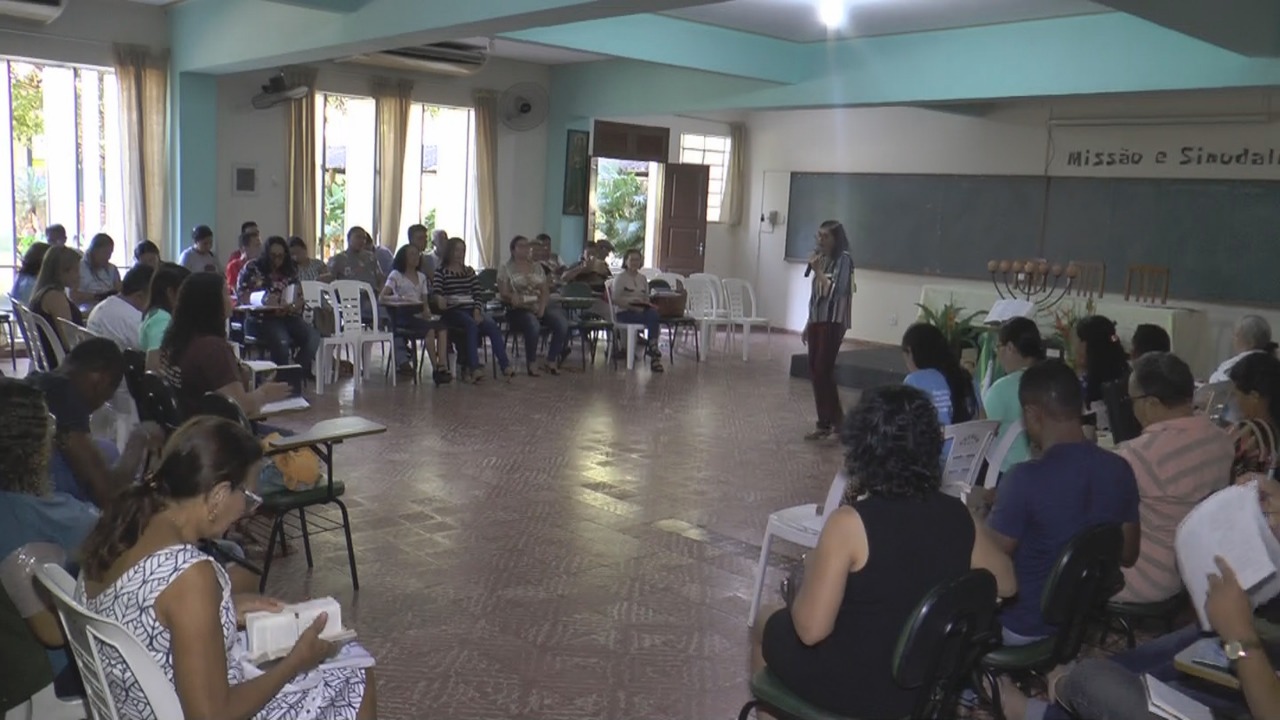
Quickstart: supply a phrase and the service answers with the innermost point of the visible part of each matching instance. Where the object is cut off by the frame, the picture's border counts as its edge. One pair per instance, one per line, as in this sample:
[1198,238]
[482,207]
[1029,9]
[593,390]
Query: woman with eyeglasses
[142,569]
[275,275]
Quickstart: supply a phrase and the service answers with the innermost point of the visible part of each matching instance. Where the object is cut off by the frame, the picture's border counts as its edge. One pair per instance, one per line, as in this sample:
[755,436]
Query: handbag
[670,303]
[324,321]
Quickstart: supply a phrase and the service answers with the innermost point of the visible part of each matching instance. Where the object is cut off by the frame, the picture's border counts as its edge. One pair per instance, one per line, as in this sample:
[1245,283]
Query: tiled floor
[566,547]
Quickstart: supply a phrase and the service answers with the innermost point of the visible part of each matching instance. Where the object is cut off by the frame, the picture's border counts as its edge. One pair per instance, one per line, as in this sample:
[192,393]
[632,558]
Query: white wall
[258,137]
[1014,139]
[83,34]
[721,238]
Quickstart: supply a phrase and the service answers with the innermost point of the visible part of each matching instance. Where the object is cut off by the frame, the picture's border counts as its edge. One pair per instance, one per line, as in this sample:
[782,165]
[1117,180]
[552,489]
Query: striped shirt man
[1177,462]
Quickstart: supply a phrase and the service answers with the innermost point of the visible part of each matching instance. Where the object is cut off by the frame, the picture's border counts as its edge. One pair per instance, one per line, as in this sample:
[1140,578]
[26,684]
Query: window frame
[694,150]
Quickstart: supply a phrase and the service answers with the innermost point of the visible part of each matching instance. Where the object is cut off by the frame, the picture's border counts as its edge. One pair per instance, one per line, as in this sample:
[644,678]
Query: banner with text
[1225,151]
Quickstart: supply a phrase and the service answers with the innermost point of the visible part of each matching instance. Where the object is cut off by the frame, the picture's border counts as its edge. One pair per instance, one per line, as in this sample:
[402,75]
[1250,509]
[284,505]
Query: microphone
[808,269]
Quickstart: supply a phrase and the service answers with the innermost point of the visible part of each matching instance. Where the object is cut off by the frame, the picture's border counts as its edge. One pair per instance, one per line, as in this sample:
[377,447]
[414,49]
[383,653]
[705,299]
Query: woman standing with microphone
[829,301]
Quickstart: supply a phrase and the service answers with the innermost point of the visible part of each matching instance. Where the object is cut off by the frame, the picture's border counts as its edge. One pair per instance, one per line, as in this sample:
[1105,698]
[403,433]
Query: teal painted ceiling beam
[1247,27]
[1105,53]
[680,43]
[222,36]
[338,6]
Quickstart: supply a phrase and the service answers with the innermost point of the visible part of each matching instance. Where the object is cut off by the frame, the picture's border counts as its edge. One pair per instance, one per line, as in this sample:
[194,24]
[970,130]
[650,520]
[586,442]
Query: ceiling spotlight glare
[831,12]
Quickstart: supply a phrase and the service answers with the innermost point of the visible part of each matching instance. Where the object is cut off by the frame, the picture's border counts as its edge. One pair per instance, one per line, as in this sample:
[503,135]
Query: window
[710,150]
[63,162]
[439,171]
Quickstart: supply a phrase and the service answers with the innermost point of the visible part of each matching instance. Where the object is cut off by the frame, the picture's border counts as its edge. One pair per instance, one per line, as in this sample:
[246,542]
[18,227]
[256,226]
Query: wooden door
[683,225]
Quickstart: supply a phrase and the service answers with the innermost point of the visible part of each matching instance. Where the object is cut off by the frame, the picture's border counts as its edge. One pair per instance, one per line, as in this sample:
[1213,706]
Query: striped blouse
[451,284]
[833,306]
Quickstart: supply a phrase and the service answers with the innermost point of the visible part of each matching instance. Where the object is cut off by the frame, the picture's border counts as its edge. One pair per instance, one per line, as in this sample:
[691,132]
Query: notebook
[1170,704]
[271,635]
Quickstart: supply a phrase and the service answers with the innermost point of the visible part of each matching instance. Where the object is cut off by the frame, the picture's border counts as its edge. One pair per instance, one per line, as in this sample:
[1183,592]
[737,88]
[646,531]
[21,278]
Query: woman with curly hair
[894,538]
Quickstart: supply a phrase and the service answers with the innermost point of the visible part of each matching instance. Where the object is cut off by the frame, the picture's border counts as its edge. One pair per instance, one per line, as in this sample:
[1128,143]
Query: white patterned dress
[131,600]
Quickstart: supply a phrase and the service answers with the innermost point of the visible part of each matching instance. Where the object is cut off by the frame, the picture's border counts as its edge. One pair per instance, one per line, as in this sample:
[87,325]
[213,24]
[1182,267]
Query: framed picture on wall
[244,180]
[577,169]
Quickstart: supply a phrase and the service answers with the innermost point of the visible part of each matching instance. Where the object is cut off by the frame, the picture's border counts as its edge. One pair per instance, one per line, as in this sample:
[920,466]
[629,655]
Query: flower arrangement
[960,329]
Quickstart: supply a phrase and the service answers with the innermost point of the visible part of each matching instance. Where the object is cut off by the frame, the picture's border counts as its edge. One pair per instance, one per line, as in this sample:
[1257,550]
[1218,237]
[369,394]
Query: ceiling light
[831,13]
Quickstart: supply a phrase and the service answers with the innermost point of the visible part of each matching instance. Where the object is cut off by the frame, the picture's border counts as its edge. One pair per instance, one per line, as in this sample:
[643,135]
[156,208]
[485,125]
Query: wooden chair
[1091,280]
[1147,283]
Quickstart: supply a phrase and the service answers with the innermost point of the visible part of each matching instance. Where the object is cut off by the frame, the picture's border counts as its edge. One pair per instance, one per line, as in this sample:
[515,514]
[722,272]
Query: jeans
[651,321]
[408,323]
[464,321]
[824,345]
[530,326]
[282,334]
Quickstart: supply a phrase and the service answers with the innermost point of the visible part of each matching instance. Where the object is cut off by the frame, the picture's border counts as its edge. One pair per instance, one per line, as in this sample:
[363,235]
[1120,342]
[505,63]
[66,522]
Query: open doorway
[624,205]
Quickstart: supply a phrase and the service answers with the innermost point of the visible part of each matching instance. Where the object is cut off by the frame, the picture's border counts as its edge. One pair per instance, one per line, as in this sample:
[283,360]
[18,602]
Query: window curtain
[735,183]
[392,98]
[142,76]
[487,177]
[300,144]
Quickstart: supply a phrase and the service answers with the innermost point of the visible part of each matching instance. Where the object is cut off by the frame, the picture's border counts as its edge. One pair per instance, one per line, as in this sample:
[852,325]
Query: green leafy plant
[429,220]
[621,203]
[335,212]
[30,193]
[28,105]
[960,329]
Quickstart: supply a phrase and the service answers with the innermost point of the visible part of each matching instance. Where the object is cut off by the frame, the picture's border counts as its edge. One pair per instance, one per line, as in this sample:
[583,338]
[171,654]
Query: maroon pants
[824,345]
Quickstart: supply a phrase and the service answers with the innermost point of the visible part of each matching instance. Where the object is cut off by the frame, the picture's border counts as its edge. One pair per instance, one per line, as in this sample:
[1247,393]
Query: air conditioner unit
[44,11]
[440,59]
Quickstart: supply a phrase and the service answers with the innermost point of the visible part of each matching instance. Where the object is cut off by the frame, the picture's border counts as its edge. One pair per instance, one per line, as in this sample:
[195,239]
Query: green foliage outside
[335,213]
[622,200]
[28,106]
[429,220]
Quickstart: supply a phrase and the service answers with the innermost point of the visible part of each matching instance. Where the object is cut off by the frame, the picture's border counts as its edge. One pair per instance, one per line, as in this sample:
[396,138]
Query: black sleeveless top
[914,546]
[37,307]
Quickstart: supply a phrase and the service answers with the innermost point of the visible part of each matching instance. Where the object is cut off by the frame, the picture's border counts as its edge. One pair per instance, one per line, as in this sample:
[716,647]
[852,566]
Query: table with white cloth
[1188,329]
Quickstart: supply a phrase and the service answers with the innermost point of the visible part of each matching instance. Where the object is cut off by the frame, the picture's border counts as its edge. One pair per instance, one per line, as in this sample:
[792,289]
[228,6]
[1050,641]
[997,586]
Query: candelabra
[1035,281]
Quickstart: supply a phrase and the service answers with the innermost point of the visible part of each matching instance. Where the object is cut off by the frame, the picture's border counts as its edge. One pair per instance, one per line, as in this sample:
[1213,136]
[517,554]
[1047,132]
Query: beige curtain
[392,98]
[735,184]
[142,76]
[487,176]
[301,157]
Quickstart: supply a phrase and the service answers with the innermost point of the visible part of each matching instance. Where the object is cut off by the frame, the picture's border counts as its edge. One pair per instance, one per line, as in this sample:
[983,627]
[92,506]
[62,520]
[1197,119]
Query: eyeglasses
[252,501]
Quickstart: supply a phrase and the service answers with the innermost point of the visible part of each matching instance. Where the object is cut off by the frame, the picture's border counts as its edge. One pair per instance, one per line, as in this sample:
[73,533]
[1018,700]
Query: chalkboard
[1219,238]
[919,224]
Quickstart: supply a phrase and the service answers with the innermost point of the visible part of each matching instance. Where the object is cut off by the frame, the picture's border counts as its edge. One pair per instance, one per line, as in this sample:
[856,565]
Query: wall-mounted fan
[523,107]
[277,91]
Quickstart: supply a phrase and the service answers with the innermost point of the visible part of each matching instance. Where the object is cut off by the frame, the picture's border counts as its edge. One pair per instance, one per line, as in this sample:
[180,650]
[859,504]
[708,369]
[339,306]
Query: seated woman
[146,253]
[143,570]
[406,282]
[195,357]
[59,274]
[454,293]
[524,286]
[283,329]
[1148,338]
[932,366]
[24,282]
[1255,393]
[1101,357]
[1018,347]
[309,268]
[162,296]
[631,303]
[98,277]
[894,539]
[32,513]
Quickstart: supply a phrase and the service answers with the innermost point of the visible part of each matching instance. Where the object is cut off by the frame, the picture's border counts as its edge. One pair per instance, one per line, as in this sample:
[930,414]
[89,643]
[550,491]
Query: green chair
[1081,582]
[951,627]
[1130,615]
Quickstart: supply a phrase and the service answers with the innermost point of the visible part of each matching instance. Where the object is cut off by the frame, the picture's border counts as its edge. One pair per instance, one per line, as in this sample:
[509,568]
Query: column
[193,159]
[8,230]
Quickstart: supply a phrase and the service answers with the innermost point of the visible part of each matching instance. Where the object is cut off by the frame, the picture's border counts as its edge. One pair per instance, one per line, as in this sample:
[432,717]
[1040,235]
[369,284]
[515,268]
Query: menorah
[1035,281]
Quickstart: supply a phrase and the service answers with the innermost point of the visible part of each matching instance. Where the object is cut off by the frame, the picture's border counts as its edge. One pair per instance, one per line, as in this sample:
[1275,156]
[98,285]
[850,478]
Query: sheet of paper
[293,404]
[1009,308]
[256,298]
[260,366]
[1171,704]
[1227,523]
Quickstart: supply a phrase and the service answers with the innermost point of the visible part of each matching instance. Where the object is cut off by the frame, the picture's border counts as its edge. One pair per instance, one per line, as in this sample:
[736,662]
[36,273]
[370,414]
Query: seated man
[1180,459]
[119,317]
[592,269]
[1044,503]
[82,467]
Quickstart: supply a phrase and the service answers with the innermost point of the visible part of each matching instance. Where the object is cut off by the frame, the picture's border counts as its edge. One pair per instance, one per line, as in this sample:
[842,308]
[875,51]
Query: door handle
[702,249]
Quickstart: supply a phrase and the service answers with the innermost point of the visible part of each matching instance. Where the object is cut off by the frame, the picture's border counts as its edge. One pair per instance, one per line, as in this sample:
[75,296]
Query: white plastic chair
[998,452]
[44,329]
[673,280]
[650,273]
[969,443]
[801,525]
[718,286]
[121,405]
[17,575]
[89,634]
[632,330]
[350,294]
[332,347]
[702,305]
[742,313]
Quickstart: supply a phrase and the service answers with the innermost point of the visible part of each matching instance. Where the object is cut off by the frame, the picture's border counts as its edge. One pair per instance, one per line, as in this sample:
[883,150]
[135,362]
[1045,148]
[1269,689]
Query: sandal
[655,365]
[550,369]
[821,433]
[477,376]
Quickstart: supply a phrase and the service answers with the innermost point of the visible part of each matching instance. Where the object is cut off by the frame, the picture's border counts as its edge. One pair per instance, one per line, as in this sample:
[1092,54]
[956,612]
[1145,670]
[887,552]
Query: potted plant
[960,329]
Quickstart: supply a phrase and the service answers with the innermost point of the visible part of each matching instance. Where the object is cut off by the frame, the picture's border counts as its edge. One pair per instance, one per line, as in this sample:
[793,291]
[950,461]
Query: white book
[1230,524]
[1170,704]
[293,404]
[1010,308]
[271,635]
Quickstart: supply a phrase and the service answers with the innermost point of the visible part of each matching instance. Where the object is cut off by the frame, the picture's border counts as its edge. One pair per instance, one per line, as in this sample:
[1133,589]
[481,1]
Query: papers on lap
[271,635]
[1168,703]
[1228,523]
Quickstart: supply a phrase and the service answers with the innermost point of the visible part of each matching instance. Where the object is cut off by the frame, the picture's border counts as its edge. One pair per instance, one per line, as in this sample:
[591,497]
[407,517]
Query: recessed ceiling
[534,53]
[797,20]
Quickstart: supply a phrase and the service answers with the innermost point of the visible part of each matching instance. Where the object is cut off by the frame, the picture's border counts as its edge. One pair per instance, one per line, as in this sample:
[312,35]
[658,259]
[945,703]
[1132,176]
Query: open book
[1170,704]
[1228,523]
[271,635]
[1008,309]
